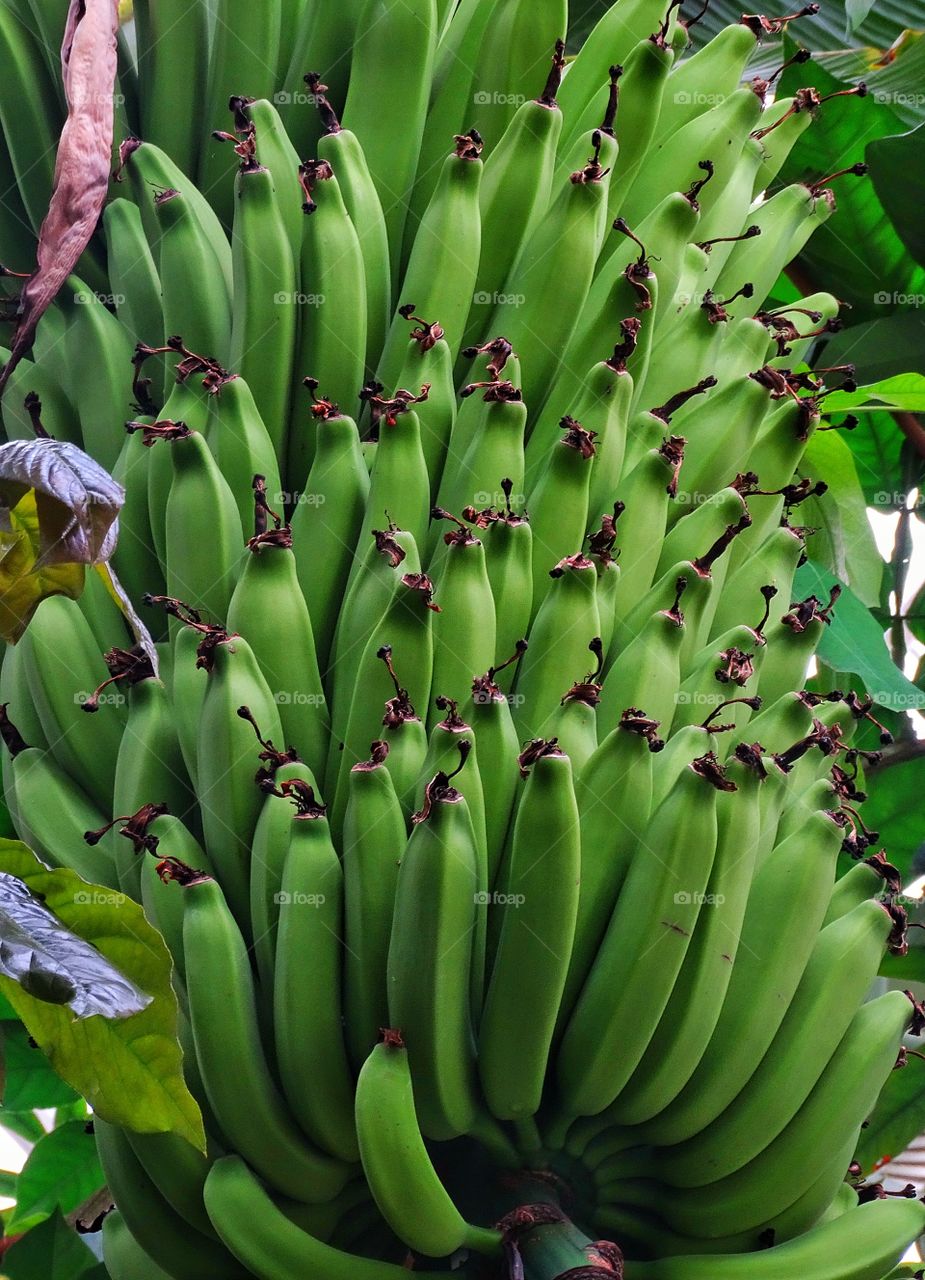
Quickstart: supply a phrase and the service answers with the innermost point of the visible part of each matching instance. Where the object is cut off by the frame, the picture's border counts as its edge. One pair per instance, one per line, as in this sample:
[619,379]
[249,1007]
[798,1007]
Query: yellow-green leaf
[128,1069]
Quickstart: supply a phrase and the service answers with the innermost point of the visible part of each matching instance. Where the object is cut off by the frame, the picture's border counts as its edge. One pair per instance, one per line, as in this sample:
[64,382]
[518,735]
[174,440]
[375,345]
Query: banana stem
[528,1134]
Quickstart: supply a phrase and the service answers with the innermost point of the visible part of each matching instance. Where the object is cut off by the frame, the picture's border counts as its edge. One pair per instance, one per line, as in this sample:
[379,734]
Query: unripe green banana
[229,798]
[861,1245]
[98,354]
[430,961]
[493,453]
[342,149]
[558,504]
[549,282]
[135,558]
[14,695]
[265,307]
[171,1243]
[611,830]
[383,27]
[619,1006]
[508,542]
[164,836]
[844,962]
[757,997]
[307,1014]
[844,1097]
[441,272]
[539,908]
[405,629]
[268,856]
[692,1011]
[428,362]
[464,632]
[29,116]
[237,1078]
[178,1171]
[267,1242]
[125,1258]
[331,345]
[269,610]
[648,673]
[646,492]
[326,520]
[150,767]
[51,811]
[718,135]
[133,273]
[708,76]
[556,644]
[573,723]
[203,546]
[617,32]
[274,150]
[172,45]
[515,190]
[242,60]
[489,713]
[374,841]
[63,666]
[407,1188]
[241,445]
[33,393]
[399,487]
[186,244]
[375,579]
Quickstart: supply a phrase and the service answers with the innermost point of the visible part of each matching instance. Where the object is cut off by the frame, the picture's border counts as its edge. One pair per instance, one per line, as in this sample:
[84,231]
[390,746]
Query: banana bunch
[469,772]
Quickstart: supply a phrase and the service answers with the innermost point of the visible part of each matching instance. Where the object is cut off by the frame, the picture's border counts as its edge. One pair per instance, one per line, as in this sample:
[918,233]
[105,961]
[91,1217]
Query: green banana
[555,646]
[269,1244]
[402,1178]
[622,1004]
[391,151]
[307,984]
[611,831]
[264,283]
[442,268]
[169,1242]
[63,666]
[238,1081]
[374,839]
[327,518]
[430,960]
[756,1001]
[838,974]
[269,610]
[696,1000]
[172,44]
[540,907]
[331,345]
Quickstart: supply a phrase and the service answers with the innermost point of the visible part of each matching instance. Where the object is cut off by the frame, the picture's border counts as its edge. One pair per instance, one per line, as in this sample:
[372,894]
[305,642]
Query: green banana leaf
[128,1068]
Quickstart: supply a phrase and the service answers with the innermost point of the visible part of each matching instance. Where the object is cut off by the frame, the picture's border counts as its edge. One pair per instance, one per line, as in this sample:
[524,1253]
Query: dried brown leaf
[88,64]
